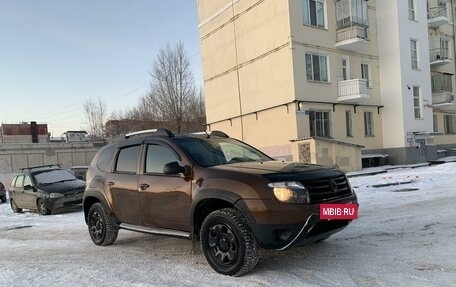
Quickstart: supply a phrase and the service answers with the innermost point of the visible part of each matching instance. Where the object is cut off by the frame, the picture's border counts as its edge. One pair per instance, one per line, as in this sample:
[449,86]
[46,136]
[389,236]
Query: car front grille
[327,189]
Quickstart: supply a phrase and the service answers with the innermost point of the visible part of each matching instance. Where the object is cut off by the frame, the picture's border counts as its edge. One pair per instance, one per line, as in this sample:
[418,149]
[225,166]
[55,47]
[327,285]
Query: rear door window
[19,181]
[127,160]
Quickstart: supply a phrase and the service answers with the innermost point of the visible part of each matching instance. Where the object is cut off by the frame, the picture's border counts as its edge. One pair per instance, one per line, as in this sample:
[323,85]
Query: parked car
[2,193]
[79,171]
[212,188]
[45,189]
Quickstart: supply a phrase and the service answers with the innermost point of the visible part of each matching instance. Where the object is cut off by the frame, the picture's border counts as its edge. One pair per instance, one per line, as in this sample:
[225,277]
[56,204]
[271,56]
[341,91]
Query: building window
[442,4]
[317,67]
[314,12]
[365,74]
[450,124]
[444,49]
[319,124]
[417,102]
[442,82]
[411,4]
[345,70]
[435,123]
[414,53]
[348,123]
[368,124]
[351,12]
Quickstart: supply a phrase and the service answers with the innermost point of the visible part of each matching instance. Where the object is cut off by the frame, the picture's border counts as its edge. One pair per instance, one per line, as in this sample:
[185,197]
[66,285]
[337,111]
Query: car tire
[101,230]
[14,207]
[42,208]
[228,243]
[3,198]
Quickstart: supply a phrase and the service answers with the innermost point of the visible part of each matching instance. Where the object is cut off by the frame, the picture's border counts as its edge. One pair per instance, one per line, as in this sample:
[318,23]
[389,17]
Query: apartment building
[372,73]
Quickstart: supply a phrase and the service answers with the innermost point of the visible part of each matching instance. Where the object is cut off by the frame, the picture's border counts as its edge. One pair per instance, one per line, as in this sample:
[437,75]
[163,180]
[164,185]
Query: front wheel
[101,230]
[228,242]
[3,198]
[42,209]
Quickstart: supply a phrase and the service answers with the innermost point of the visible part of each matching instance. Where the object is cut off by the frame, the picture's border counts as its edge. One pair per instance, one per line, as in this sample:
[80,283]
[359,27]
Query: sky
[55,55]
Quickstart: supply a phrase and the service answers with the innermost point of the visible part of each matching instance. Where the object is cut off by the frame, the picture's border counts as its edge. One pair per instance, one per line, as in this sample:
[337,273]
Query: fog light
[281,234]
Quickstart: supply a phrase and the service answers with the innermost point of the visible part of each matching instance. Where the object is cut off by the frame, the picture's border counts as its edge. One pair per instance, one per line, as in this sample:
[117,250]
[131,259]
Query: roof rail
[219,134]
[39,166]
[158,132]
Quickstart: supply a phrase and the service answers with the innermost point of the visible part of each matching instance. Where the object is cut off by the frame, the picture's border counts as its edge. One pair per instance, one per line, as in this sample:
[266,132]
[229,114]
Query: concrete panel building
[378,74]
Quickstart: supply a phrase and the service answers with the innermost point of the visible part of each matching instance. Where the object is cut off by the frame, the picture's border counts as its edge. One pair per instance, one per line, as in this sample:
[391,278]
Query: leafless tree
[174,102]
[95,112]
[196,112]
[172,85]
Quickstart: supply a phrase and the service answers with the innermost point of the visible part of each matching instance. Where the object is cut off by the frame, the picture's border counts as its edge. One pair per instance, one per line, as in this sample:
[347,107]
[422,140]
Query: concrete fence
[16,156]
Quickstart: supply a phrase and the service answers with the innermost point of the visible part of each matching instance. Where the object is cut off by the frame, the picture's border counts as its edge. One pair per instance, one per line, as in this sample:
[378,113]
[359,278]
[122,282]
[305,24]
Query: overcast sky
[55,54]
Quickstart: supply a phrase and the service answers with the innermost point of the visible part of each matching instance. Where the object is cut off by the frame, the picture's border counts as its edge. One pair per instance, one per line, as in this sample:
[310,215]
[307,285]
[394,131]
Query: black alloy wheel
[228,242]
[101,230]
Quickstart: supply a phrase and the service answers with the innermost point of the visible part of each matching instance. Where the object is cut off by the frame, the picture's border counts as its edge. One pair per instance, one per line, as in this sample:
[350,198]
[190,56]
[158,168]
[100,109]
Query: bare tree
[174,102]
[172,85]
[196,112]
[95,112]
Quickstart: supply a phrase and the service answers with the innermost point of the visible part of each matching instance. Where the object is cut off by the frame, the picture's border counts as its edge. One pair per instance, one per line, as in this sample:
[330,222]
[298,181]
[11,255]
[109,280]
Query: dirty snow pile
[405,236]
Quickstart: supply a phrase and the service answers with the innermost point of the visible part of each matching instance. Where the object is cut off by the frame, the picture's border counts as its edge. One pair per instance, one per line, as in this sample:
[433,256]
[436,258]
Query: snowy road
[401,239]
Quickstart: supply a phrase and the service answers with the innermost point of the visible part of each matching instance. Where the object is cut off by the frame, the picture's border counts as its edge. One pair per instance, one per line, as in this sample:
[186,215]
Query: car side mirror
[174,168]
[29,187]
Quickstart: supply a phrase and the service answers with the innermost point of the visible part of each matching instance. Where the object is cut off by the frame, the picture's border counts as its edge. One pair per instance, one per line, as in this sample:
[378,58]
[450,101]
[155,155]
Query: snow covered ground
[405,236]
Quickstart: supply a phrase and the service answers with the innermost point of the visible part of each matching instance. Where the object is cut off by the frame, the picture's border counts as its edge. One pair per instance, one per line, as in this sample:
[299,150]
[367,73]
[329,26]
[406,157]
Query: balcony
[352,91]
[440,99]
[437,16]
[439,57]
[442,89]
[351,38]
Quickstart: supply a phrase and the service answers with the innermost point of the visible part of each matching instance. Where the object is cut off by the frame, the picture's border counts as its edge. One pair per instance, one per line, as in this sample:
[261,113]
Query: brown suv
[212,188]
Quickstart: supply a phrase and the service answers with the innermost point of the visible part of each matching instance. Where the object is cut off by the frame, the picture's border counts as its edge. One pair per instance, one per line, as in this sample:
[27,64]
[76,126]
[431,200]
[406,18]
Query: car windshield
[216,151]
[52,176]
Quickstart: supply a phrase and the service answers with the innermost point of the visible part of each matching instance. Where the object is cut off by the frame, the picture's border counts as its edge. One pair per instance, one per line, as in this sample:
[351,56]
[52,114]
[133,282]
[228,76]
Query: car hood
[282,171]
[64,187]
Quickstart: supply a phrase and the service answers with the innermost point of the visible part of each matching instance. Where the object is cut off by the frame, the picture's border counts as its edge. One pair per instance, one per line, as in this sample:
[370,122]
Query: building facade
[24,133]
[372,73]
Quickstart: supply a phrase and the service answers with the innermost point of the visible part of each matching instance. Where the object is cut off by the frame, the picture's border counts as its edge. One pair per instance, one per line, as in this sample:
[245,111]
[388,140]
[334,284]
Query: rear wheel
[14,207]
[42,209]
[101,230]
[3,198]
[228,242]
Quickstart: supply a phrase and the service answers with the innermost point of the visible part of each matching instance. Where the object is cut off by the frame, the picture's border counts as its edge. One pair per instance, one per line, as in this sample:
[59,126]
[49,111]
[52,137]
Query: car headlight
[290,192]
[56,195]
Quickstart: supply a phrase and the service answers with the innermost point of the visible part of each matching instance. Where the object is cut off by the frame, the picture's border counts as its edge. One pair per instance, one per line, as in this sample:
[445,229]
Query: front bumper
[67,200]
[281,226]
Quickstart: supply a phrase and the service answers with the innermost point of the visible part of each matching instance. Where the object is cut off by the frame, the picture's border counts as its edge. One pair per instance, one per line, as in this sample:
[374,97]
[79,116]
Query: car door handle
[111,184]
[143,186]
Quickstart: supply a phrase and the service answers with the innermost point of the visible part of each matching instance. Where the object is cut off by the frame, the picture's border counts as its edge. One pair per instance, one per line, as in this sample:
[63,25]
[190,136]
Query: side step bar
[158,231]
